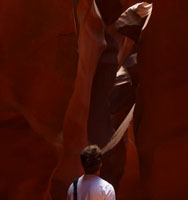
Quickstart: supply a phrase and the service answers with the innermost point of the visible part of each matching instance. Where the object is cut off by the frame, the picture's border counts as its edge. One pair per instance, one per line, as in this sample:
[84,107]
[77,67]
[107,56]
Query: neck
[96,173]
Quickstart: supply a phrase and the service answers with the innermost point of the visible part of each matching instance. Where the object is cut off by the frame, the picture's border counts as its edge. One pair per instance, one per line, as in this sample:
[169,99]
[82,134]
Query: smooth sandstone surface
[162,133]
[38,62]
[45,95]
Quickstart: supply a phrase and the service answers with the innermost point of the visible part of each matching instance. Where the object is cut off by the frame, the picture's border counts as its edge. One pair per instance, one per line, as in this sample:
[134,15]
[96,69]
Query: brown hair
[91,157]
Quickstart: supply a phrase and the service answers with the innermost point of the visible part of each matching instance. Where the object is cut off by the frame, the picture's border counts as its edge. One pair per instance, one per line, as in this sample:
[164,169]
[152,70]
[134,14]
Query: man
[90,186]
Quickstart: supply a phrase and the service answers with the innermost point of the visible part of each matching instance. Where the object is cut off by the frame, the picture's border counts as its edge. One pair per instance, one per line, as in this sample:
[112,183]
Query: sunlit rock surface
[45,94]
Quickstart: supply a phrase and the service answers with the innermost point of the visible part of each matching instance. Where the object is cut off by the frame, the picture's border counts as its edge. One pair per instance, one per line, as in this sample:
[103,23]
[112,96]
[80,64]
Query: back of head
[91,157]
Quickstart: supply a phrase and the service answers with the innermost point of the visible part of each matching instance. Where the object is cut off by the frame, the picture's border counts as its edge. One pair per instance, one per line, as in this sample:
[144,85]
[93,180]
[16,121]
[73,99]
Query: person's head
[91,158]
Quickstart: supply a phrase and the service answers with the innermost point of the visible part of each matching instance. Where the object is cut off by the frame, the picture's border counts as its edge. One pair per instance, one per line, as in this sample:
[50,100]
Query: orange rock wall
[162,134]
[38,61]
[42,93]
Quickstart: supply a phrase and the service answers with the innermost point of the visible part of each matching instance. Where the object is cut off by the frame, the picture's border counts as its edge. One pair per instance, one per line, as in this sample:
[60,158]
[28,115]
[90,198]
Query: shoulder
[108,190]
[71,187]
[105,183]
[70,190]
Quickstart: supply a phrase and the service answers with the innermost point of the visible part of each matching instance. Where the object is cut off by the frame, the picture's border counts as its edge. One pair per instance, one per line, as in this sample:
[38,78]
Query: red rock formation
[39,96]
[37,70]
[162,134]
[27,161]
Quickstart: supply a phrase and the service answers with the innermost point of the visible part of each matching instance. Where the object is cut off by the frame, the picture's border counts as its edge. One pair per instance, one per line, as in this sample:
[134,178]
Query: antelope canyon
[105,72]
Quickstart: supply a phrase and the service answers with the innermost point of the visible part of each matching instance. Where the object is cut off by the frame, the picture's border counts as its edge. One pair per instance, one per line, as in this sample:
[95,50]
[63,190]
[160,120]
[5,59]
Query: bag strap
[75,182]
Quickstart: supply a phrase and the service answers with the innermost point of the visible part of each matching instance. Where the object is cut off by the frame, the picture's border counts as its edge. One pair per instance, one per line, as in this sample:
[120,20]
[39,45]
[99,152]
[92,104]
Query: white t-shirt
[92,187]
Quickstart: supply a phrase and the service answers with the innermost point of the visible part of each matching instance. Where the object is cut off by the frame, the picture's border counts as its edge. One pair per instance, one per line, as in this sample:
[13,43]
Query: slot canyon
[60,90]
